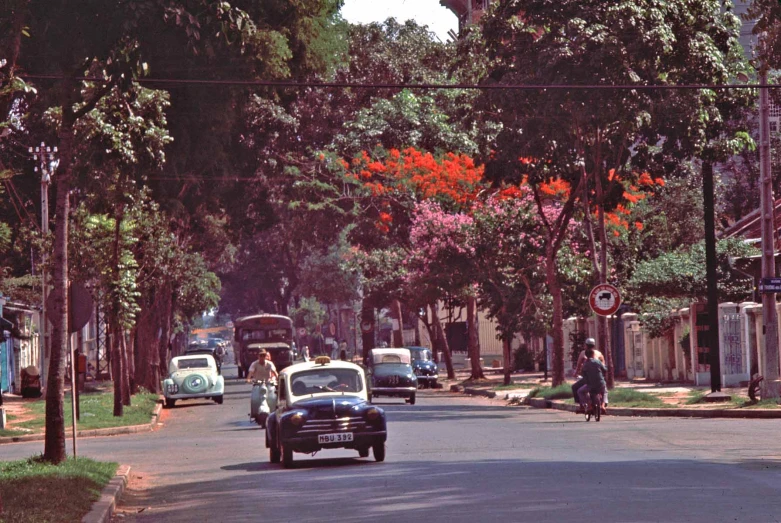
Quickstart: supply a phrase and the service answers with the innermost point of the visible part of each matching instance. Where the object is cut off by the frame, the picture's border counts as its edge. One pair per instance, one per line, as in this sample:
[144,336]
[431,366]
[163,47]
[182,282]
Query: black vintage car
[324,405]
[391,374]
[217,352]
[424,367]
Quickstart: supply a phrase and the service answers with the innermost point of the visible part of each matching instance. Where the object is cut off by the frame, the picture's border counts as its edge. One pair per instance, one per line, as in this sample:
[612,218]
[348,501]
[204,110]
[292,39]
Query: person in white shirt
[261,369]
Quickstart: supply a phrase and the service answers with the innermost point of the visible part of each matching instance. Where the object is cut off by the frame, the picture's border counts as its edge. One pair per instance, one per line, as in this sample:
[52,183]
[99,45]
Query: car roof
[333,364]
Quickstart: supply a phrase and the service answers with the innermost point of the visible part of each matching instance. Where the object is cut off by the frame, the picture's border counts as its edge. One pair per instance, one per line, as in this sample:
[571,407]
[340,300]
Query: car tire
[369,397]
[411,399]
[218,399]
[169,403]
[378,449]
[274,455]
[363,453]
[287,457]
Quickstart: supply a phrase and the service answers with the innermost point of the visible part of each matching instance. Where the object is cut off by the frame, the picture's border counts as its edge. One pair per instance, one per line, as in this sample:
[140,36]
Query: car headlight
[373,414]
[297,419]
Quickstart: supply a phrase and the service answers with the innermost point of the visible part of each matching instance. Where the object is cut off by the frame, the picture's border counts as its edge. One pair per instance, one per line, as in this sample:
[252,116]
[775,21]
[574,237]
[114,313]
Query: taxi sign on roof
[604,299]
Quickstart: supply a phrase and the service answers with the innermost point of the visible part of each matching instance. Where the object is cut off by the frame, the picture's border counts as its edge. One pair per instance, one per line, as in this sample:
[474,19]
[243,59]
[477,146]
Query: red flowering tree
[388,185]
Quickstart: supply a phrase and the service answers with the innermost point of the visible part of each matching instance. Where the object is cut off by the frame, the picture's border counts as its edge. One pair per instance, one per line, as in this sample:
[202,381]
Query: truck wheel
[218,399]
[411,399]
[363,453]
[169,403]
[379,451]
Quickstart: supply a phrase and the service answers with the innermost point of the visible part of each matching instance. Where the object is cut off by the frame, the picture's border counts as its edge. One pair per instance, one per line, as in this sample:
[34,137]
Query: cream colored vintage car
[193,376]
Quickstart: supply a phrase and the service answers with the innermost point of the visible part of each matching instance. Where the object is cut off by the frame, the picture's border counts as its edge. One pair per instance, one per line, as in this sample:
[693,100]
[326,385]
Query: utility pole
[770,385]
[48,162]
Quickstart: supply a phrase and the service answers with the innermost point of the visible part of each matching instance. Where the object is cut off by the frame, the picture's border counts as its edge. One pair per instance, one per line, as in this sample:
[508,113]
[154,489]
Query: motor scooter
[263,401]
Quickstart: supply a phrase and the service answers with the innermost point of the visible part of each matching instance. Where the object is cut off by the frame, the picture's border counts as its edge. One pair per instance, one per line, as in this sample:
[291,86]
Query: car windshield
[194,363]
[421,355]
[325,380]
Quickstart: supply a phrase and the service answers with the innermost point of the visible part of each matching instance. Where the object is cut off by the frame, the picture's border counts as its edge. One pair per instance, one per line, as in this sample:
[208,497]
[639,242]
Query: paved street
[452,458]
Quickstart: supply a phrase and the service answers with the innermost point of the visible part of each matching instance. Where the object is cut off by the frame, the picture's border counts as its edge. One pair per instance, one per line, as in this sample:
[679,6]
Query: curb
[103,508]
[480,392]
[109,431]
[541,403]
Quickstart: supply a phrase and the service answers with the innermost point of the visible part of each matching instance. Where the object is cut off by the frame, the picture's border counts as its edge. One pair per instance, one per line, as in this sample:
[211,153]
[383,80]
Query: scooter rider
[261,369]
[590,342]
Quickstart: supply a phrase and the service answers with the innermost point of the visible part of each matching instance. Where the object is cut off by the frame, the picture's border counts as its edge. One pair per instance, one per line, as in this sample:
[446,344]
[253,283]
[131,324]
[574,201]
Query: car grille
[323,426]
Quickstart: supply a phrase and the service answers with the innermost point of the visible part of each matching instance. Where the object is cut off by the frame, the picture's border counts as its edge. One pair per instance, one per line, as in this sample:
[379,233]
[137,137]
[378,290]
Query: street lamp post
[47,158]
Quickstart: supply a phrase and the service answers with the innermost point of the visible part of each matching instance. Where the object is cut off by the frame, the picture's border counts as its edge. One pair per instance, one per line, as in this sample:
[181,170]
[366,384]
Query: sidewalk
[677,399]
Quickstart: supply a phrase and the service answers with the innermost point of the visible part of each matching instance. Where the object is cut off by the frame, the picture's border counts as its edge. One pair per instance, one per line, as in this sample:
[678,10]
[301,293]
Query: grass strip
[563,391]
[96,412]
[621,397]
[33,491]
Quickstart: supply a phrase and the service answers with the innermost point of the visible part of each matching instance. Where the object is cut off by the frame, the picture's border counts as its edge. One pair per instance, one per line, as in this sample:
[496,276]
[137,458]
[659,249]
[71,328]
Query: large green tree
[591,138]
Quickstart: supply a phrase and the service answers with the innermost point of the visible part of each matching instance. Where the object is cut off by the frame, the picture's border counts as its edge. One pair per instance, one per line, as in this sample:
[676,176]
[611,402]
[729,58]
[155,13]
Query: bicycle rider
[590,342]
[594,373]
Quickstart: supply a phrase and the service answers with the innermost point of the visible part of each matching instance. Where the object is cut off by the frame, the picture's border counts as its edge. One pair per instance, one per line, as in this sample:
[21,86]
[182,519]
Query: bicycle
[594,406]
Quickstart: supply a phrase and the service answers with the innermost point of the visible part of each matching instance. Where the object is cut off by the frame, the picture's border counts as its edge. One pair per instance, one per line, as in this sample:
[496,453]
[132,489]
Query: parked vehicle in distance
[391,374]
[193,376]
[323,404]
[215,351]
[424,367]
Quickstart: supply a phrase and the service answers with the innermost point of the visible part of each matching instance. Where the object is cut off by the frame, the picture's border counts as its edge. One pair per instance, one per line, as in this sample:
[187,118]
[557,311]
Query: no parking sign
[604,299]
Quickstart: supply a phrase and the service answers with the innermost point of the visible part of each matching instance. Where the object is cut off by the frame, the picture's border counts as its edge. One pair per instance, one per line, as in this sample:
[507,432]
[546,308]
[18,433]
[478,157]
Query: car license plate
[335,438]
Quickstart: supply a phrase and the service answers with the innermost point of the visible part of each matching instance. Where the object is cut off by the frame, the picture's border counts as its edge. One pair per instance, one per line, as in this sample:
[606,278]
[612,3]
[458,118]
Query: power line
[425,86]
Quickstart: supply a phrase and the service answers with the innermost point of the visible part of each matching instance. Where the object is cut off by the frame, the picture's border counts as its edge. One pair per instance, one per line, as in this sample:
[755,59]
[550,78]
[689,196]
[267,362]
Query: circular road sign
[302,331]
[604,299]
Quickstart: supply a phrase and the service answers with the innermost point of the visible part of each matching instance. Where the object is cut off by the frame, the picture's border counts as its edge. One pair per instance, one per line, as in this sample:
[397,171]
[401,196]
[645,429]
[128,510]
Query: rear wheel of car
[218,399]
[169,403]
[411,399]
[379,451]
[287,457]
[363,453]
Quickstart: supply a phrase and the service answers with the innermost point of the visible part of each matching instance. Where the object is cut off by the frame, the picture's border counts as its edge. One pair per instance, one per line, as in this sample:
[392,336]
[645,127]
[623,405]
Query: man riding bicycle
[590,342]
[594,376]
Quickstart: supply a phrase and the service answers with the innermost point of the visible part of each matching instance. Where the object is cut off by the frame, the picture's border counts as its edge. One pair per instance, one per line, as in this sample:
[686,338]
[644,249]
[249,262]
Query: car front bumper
[308,443]
[400,392]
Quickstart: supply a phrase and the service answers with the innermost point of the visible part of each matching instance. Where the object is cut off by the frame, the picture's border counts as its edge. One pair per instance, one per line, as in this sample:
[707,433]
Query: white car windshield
[194,363]
[323,381]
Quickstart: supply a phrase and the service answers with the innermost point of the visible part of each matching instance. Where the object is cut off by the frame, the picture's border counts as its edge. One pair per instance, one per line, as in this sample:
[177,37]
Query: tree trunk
[54,446]
[126,370]
[398,330]
[432,335]
[507,353]
[554,286]
[367,334]
[473,342]
[116,365]
[442,340]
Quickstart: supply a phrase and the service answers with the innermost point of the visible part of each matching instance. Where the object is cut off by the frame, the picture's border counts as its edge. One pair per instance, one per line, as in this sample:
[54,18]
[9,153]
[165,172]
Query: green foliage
[563,391]
[310,313]
[681,274]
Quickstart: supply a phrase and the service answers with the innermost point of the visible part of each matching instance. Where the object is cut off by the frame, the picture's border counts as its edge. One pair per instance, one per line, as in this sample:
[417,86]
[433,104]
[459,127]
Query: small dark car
[391,374]
[324,405]
[217,352]
[424,367]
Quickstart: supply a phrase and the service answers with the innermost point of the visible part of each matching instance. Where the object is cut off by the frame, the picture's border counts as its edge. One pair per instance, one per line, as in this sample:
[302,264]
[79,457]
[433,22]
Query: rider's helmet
[590,342]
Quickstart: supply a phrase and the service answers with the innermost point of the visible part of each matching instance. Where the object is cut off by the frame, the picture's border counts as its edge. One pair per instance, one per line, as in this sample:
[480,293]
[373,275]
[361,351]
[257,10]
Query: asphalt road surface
[450,458]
